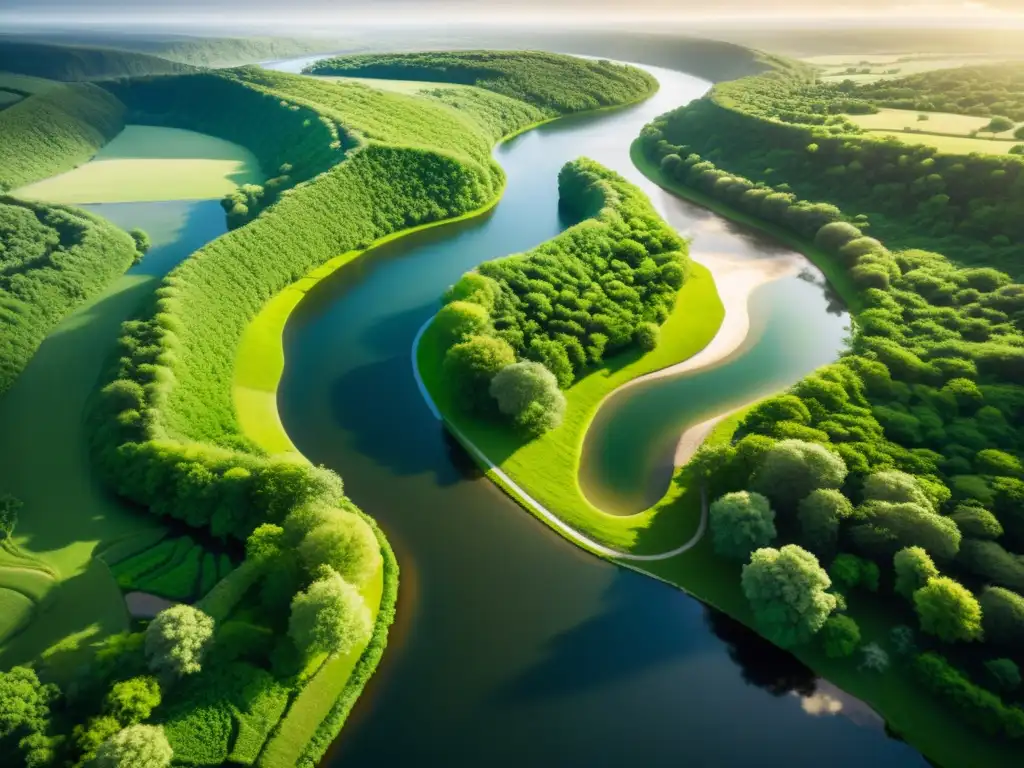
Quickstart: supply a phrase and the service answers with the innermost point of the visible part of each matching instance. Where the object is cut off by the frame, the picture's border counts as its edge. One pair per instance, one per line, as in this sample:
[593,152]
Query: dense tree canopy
[948,610]
[177,639]
[137,746]
[330,616]
[740,523]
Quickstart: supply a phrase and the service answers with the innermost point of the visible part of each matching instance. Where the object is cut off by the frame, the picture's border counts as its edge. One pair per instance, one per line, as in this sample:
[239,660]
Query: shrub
[177,639]
[646,336]
[841,636]
[913,569]
[330,616]
[874,658]
[132,701]
[1002,616]
[977,523]
[948,610]
[979,707]
[471,364]
[459,320]
[786,589]
[137,746]
[740,523]
[529,393]
[849,571]
[1004,673]
[895,487]
[792,469]
[346,544]
[819,514]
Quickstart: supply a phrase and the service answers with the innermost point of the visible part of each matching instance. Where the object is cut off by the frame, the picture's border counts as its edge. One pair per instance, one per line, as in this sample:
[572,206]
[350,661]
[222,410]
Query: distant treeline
[553,82]
[67,62]
[52,259]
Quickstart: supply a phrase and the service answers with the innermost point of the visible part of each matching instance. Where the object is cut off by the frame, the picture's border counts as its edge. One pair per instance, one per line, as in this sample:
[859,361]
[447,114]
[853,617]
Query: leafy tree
[889,526]
[131,701]
[874,658]
[529,393]
[977,522]
[998,124]
[554,357]
[1004,673]
[819,514]
[142,241]
[1002,616]
[740,523]
[471,364]
[88,737]
[459,320]
[346,544]
[841,636]
[1019,133]
[646,336]
[787,590]
[848,571]
[137,746]
[24,709]
[329,617]
[914,569]
[265,543]
[177,639]
[792,469]
[895,487]
[948,610]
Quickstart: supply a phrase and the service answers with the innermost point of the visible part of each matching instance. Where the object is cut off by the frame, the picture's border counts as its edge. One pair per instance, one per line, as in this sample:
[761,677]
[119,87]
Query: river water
[512,646]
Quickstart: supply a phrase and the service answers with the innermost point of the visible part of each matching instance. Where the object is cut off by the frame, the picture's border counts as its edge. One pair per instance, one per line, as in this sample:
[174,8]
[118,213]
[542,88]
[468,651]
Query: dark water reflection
[512,646]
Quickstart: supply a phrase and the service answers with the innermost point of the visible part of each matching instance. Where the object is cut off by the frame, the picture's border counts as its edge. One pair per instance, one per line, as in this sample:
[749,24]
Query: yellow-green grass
[945,123]
[147,164]
[67,515]
[319,695]
[952,145]
[548,467]
[834,66]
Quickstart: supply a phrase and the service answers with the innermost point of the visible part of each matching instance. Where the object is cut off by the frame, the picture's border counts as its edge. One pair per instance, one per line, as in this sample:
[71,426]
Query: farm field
[952,145]
[937,122]
[146,164]
[835,66]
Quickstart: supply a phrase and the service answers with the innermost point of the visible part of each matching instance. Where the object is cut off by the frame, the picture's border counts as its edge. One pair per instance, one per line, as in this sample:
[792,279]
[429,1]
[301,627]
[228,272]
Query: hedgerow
[554,82]
[52,260]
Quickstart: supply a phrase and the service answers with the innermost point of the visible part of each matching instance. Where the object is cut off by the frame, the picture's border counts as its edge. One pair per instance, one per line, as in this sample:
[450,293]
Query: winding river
[513,647]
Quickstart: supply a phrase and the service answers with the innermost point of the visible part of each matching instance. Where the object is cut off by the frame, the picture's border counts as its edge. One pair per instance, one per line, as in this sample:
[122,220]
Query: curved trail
[550,517]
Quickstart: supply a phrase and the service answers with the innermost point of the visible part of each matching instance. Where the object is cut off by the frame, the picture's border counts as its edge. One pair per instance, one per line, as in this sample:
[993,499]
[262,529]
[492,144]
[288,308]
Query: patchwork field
[835,68]
[145,163]
[954,145]
[936,122]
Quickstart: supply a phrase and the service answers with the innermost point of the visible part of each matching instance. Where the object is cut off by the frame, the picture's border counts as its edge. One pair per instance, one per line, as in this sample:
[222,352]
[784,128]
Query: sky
[925,12]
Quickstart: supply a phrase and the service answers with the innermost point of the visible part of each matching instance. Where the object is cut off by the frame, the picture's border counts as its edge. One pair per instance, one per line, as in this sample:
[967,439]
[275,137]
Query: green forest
[555,83]
[519,329]
[894,473]
[52,259]
[76,63]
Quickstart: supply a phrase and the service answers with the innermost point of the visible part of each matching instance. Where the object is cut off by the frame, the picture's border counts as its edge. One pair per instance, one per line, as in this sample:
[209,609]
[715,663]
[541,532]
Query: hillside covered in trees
[552,82]
[52,259]
[898,467]
[73,62]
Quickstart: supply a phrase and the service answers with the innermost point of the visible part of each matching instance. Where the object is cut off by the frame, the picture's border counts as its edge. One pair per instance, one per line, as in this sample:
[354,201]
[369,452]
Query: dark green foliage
[849,571]
[841,637]
[990,561]
[556,83]
[55,130]
[979,707]
[740,523]
[888,527]
[1002,616]
[595,290]
[178,582]
[9,509]
[208,576]
[976,522]
[819,514]
[52,259]
[1004,673]
[130,570]
[65,62]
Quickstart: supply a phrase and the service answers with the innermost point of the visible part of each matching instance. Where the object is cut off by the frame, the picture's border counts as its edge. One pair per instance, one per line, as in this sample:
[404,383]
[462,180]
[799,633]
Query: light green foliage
[52,259]
[890,526]
[528,393]
[264,704]
[841,636]
[786,589]
[137,746]
[819,514]
[948,610]
[330,616]
[470,366]
[646,336]
[1002,616]
[460,319]
[792,469]
[874,658]
[914,568]
[553,82]
[740,523]
[88,737]
[346,544]
[895,487]
[24,711]
[1004,673]
[976,522]
[177,639]
[131,701]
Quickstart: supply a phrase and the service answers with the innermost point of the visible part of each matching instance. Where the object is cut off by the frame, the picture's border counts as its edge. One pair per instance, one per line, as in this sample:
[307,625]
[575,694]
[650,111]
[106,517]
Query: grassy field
[937,122]
[952,145]
[145,163]
[549,466]
[834,66]
[398,86]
